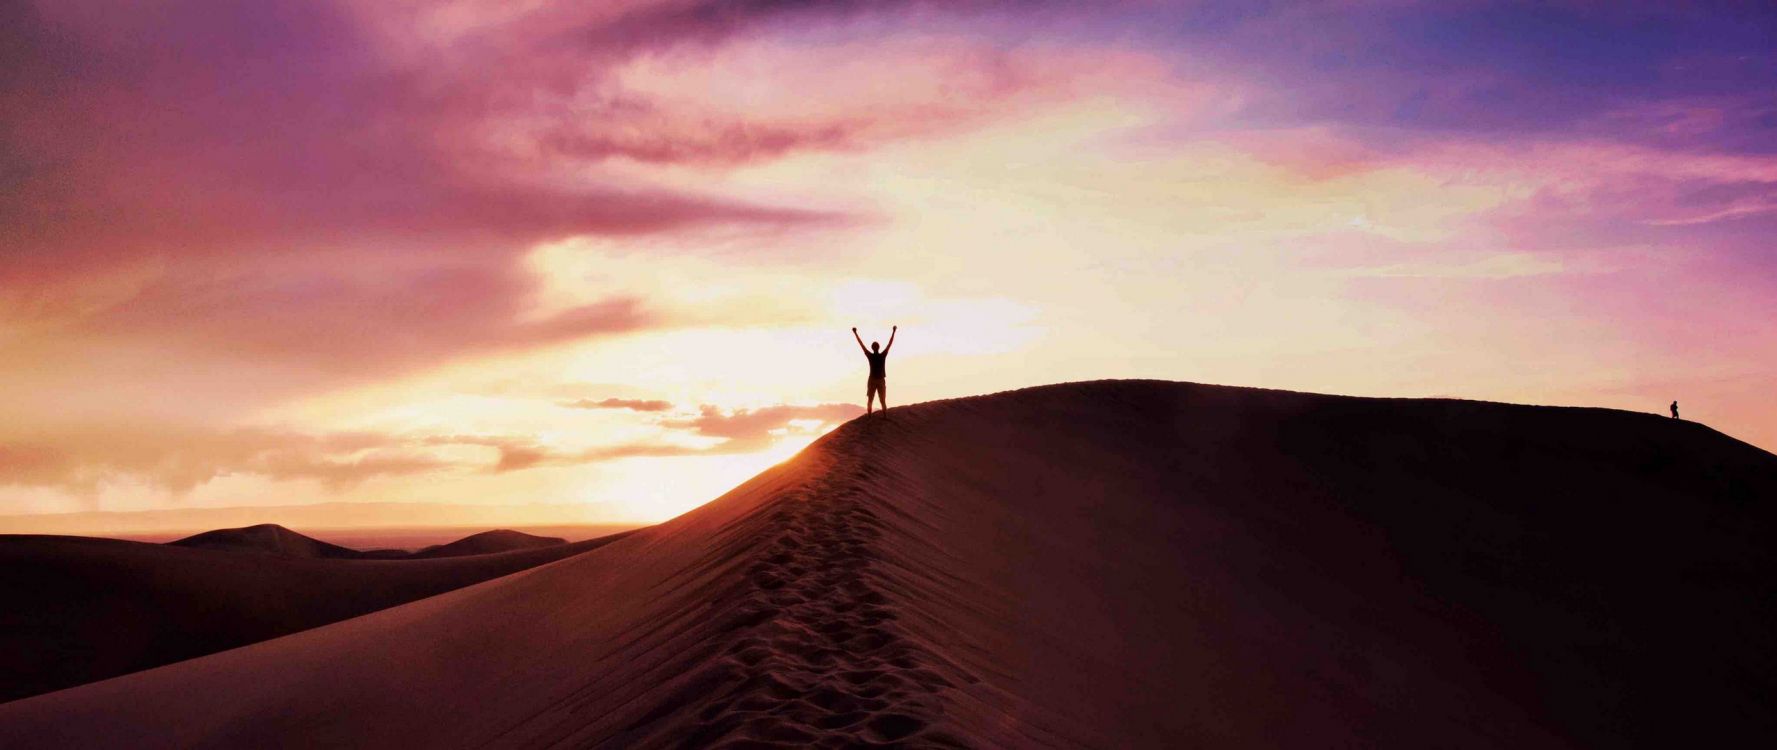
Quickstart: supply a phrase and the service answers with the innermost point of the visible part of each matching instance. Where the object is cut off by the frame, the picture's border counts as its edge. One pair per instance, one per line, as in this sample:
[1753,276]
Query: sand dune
[1114,564]
[487,542]
[272,539]
[80,609]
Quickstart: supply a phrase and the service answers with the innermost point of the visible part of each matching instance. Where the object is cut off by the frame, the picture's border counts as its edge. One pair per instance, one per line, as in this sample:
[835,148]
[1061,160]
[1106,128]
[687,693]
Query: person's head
[875,347]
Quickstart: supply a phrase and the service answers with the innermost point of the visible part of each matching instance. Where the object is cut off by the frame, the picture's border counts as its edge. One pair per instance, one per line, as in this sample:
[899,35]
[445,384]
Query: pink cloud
[1316,152]
[364,322]
[282,193]
[772,94]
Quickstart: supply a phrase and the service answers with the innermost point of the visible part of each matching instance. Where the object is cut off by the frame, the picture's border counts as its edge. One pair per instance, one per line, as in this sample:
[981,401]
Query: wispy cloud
[738,431]
[632,404]
[1503,266]
[179,459]
[747,428]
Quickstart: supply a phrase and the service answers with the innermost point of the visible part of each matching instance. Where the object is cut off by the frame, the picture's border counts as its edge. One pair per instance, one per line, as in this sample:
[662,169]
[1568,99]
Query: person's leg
[870,390]
[882,393]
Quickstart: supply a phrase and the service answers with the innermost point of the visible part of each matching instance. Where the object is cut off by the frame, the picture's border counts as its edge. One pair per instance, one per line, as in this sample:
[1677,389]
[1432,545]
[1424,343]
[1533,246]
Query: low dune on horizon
[361,525]
[274,539]
[1101,564]
[80,609]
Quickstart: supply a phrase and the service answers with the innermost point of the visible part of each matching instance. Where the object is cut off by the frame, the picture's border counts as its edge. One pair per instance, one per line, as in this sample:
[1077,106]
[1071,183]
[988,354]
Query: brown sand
[1114,564]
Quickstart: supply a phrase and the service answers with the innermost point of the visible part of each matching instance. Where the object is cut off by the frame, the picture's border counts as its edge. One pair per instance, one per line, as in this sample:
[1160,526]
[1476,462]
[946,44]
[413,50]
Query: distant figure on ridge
[876,389]
[1675,410]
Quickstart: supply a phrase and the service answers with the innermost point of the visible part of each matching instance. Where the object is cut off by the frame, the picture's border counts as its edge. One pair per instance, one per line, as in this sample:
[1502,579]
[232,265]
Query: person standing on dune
[876,388]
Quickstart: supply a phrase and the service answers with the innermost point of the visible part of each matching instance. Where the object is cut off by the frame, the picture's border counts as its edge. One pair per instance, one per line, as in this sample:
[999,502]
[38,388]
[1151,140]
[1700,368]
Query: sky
[606,255]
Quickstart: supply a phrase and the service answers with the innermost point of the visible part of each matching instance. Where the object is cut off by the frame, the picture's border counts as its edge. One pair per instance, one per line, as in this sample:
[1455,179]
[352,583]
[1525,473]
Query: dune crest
[486,542]
[1108,564]
[272,539]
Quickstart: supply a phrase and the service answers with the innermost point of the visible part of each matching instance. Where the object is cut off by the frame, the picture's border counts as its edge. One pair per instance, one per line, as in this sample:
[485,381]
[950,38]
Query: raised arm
[891,343]
[854,334]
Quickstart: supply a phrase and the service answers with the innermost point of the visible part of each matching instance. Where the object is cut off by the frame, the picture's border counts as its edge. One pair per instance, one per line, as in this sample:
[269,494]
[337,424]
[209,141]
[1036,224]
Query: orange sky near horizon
[607,255]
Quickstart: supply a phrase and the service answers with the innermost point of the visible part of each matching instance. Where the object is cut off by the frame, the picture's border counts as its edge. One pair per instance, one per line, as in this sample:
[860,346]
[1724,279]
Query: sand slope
[78,609]
[1115,564]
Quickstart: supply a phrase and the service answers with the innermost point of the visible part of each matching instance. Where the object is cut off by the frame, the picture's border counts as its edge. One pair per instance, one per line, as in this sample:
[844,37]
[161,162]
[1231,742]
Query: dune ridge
[1106,564]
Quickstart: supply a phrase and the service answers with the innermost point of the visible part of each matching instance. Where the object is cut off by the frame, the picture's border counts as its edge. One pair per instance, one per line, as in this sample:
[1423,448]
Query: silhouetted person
[1675,410]
[876,388]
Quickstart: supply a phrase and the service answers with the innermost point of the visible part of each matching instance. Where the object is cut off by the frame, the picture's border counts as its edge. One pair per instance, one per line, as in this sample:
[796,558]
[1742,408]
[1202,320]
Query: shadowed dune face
[79,609]
[1114,564]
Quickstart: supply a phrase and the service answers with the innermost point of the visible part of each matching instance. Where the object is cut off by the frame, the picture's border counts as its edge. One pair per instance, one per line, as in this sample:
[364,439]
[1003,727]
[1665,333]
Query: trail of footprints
[824,665]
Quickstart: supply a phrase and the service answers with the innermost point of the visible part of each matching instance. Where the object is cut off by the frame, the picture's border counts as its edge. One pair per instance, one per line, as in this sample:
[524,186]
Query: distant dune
[414,539]
[1112,564]
[486,542]
[316,518]
[80,609]
[272,539]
